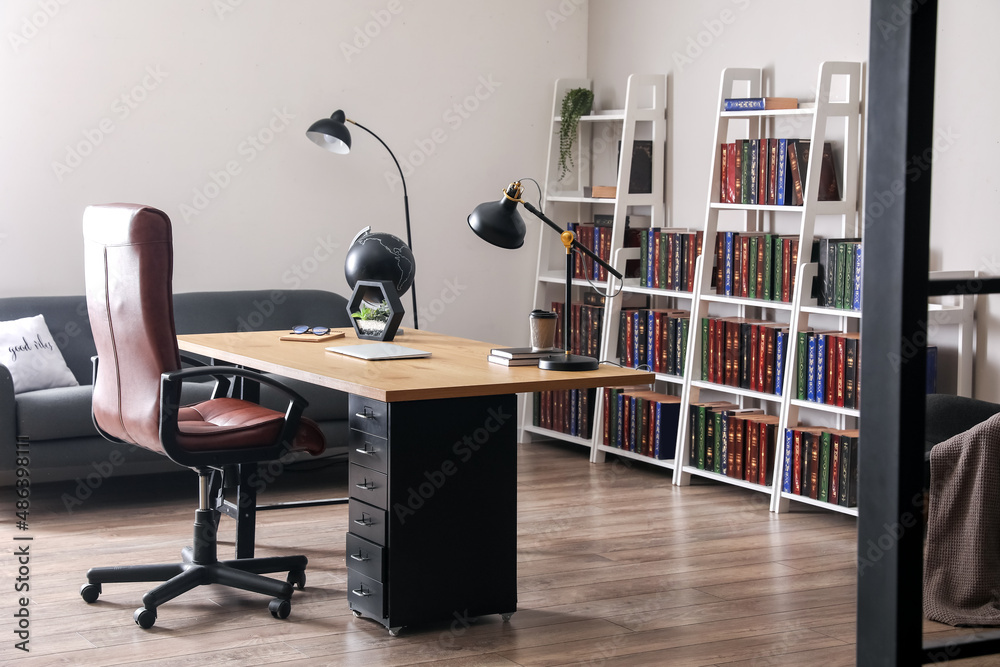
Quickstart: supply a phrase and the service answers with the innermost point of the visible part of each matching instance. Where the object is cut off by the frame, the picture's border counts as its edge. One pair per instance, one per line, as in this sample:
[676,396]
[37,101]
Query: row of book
[730,441]
[585,325]
[667,258]
[756,265]
[828,368]
[839,274]
[822,465]
[745,353]
[596,236]
[772,172]
[655,338]
[643,422]
[568,411]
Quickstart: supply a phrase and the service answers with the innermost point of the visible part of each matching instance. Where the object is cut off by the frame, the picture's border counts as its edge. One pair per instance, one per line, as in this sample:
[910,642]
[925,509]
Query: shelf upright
[597,155]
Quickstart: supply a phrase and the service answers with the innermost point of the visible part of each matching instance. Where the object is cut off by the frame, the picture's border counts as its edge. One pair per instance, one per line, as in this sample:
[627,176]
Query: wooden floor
[616,567]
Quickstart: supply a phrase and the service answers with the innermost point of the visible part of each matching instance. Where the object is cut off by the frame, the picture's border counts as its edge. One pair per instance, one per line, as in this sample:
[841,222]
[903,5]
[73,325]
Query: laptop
[378,351]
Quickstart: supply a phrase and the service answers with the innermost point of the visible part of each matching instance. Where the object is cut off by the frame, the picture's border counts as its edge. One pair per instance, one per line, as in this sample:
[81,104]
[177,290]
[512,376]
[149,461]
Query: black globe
[380,256]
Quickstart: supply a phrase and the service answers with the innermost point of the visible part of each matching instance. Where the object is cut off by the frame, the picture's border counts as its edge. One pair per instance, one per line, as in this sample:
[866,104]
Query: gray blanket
[962,551]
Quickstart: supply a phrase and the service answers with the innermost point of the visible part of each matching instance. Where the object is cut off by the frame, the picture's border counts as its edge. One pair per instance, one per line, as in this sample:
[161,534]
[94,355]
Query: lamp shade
[331,133]
[499,223]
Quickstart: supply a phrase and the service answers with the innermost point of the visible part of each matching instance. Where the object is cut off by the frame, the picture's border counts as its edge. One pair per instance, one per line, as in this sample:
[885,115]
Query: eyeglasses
[304,329]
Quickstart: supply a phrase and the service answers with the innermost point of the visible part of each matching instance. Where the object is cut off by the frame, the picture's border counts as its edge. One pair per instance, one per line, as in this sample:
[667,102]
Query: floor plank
[615,567]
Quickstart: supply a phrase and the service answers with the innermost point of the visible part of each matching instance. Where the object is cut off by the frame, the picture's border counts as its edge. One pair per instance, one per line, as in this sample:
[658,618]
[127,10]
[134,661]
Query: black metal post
[893,332]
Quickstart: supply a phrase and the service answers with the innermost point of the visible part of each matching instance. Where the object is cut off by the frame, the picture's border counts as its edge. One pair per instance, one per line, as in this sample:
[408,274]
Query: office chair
[137,386]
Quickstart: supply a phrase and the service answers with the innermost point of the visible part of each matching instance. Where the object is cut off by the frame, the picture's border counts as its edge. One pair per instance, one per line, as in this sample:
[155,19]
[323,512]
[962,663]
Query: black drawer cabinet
[433,525]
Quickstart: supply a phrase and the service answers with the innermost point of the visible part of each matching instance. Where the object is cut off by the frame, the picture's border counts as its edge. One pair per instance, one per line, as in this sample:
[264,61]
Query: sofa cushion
[34,361]
[64,412]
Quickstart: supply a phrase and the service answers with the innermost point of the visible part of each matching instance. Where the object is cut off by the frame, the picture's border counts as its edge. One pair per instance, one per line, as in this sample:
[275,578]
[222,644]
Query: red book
[841,368]
[723,174]
[736,446]
[736,171]
[737,274]
[813,466]
[754,356]
[797,462]
[830,393]
[753,450]
[772,176]
[793,264]
[732,353]
[762,172]
[786,256]
[744,266]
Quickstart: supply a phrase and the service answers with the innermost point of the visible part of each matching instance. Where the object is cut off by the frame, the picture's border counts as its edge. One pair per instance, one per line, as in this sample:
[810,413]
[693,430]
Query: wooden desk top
[456,368]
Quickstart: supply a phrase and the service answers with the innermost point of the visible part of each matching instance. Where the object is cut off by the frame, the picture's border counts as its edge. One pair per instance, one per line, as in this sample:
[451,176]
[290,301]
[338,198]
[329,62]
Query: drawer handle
[365,520]
[361,592]
[364,450]
[366,413]
[366,485]
[360,557]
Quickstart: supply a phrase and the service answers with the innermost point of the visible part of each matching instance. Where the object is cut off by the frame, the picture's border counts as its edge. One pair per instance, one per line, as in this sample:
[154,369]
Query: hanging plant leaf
[576,103]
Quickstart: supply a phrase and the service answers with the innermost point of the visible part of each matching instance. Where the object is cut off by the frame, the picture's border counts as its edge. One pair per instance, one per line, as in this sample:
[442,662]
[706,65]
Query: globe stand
[363,290]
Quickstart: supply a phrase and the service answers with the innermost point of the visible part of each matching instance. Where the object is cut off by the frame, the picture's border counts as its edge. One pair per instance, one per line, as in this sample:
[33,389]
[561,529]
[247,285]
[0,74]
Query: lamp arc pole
[406,211]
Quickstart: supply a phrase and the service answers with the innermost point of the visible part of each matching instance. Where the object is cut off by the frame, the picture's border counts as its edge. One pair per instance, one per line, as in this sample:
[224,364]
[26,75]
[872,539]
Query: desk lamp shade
[331,133]
[498,222]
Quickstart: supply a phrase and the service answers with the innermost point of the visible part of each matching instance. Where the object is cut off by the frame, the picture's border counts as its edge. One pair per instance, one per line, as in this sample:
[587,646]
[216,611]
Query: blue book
[620,425]
[779,195]
[856,302]
[727,276]
[651,339]
[811,369]
[786,471]
[637,318]
[651,258]
[759,103]
[820,368]
[779,361]
[597,249]
[722,431]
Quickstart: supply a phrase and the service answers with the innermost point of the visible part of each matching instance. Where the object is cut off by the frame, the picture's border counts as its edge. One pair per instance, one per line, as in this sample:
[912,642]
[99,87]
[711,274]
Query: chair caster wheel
[506,617]
[394,632]
[297,579]
[90,592]
[279,608]
[144,617]
[357,614]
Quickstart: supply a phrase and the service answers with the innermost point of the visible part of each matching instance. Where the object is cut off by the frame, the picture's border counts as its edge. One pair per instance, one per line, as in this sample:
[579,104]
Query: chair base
[199,567]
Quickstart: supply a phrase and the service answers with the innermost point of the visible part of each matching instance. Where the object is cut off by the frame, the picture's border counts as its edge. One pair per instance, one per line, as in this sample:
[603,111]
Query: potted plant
[375,309]
[576,103]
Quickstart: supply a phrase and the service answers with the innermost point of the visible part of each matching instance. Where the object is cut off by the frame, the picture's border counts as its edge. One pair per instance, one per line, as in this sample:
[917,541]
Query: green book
[752,277]
[664,280]
[643,254]
[708,434]
[824,466]
[682,344]
[720,444]
[745,172]
[768,265]
[801,365]
[841,274]
[701,439]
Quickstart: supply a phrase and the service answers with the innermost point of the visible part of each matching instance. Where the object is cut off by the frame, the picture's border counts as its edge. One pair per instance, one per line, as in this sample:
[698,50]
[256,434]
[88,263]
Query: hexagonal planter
[381,328]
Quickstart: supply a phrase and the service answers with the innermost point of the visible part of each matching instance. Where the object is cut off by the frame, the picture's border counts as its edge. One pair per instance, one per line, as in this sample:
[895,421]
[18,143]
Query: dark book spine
[824,468]
[781,187]
[787,462]
[776,371]
[835,469]
[753,170]
[802,366]
[727,256]
[731,179]
[723,192]
[856,296]
[762,172]
[705,349]
[841,372]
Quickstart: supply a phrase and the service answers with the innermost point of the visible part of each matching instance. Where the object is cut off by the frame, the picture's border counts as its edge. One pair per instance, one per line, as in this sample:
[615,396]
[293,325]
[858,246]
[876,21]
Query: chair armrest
[8,419]
[222,383]
[170,393]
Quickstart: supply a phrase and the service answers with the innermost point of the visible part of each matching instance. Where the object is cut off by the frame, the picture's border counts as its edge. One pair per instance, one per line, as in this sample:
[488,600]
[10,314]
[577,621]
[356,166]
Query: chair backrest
[129,268]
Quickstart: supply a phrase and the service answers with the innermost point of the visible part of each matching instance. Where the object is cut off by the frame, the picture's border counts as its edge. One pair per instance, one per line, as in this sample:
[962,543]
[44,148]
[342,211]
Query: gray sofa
[64,445]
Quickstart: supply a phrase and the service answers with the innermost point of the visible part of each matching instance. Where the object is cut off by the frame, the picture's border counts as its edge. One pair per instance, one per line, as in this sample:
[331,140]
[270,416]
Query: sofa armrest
[8,420]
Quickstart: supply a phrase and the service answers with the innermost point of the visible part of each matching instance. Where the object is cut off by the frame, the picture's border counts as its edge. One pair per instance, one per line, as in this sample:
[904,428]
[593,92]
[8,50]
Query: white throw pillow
[34,360]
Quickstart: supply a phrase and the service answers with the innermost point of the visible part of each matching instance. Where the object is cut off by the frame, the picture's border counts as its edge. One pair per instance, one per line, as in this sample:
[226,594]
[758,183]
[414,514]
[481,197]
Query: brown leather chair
[137,385]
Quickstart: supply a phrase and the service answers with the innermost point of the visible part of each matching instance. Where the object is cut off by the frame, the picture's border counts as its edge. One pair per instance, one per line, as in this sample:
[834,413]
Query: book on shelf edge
[759,103]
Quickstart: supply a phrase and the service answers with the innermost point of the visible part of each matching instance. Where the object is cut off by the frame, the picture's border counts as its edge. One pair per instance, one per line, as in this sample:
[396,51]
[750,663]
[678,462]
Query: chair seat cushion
[229,423]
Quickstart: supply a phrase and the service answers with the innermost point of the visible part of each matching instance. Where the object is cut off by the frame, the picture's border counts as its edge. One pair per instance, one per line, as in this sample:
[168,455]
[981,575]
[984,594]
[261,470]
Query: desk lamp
[499,223]
[332,134]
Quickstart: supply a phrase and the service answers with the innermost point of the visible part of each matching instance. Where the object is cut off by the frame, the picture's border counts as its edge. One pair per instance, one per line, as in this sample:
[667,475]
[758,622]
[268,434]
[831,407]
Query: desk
[432,465]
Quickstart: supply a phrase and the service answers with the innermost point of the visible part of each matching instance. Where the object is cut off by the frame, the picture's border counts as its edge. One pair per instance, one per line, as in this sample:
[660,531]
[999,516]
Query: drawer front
[365,557]
[367,521]
[364,594]
[367,450]
[365,414]
[368,485]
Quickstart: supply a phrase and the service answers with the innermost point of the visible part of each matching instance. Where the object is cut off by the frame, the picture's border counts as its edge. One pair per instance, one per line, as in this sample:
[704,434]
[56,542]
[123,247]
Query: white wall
[203,80]
[692,42]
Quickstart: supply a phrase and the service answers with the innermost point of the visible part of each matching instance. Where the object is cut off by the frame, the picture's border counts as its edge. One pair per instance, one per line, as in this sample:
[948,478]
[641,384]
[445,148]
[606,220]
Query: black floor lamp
[332,134]
[499,223]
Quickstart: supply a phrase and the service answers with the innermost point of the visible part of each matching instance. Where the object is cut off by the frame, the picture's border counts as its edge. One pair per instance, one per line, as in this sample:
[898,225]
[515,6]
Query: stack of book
[733,441]
[772,172]
[518,356]
[745,353]
[643,422]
